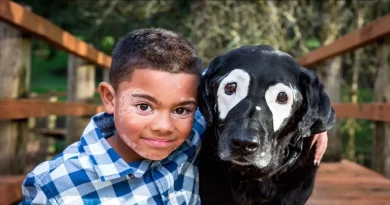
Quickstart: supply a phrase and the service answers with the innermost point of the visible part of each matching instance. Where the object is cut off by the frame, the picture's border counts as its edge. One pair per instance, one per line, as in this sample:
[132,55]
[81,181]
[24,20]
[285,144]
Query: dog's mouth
[241,161]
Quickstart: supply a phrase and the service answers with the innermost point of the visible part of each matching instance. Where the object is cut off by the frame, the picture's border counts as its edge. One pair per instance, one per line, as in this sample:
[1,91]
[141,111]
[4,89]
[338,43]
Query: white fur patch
[227,102]
[258,108]
[279,111]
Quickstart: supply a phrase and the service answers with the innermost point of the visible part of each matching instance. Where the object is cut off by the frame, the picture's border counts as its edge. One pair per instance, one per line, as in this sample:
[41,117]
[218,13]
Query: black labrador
[262,109]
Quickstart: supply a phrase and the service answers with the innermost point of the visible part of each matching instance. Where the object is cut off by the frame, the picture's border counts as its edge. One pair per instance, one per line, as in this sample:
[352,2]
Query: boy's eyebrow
[187,102]
[154,100]
[148,97]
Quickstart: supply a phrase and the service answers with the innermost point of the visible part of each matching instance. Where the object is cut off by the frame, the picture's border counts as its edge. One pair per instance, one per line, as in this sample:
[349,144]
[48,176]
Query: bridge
[340,182]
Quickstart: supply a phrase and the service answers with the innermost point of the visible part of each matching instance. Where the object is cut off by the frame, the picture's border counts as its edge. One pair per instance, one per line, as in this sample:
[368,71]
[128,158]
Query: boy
[142,150]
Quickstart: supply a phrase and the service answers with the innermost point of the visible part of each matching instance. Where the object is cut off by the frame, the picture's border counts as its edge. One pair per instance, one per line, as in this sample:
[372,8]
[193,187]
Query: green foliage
[108,42]
[49,74]
[313,43]
[364,132]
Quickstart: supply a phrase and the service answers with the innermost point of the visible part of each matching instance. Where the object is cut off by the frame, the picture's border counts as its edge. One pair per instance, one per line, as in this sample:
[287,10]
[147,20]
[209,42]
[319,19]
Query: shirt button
[131,176]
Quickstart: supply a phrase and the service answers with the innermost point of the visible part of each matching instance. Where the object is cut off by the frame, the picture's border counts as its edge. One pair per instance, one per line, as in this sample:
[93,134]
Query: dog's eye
[230,88]
[282,98]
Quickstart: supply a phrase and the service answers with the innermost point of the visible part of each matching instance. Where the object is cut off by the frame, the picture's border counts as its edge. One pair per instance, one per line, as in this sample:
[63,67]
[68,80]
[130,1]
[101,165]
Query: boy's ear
[107,94]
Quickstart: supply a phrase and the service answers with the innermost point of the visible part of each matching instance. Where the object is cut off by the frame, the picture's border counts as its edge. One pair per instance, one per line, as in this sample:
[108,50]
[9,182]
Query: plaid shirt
[91,172]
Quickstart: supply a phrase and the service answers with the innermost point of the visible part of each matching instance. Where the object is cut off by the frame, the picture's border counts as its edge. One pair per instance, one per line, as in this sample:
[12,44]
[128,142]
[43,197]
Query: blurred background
[215,27]
[48,93]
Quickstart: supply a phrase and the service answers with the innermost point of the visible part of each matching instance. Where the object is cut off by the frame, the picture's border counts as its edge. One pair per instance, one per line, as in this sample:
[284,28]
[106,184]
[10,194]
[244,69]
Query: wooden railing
[28,22]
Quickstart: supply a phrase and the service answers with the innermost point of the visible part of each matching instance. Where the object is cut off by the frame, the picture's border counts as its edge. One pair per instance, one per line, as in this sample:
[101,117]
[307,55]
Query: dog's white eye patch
[280,111]
[227,102]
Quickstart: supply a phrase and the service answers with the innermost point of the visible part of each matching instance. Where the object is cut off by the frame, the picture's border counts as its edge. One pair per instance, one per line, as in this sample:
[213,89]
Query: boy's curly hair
[154,48]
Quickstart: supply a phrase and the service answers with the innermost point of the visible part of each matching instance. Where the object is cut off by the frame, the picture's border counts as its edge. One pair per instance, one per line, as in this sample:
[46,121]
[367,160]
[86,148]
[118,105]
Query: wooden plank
[81,89]
[15,52]
[331,77]
[349,183]
[20,109]
[10,189]
[31,23]
[373,111]
[55,133]
[376,30]
[381,140]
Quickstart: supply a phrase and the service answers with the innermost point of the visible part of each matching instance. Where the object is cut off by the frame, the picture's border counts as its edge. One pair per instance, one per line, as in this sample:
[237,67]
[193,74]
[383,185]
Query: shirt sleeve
[32,192]
[199,123]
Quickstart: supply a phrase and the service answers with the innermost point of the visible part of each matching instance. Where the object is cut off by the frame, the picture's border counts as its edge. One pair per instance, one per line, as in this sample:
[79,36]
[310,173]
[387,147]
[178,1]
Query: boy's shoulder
[73,160]
[199,123]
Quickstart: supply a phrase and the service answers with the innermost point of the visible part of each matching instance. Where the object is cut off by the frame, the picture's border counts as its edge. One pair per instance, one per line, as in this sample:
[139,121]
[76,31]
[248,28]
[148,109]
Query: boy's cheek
[185,128]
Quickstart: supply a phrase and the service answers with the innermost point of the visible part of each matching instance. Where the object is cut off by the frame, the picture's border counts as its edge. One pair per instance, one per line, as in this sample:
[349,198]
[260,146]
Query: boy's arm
[32,192]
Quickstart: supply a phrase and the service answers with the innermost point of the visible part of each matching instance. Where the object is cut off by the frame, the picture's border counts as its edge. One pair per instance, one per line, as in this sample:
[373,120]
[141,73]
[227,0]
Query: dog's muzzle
[249,143]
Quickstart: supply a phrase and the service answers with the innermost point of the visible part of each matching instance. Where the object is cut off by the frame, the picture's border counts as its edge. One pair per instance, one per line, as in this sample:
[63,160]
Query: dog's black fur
[282,181]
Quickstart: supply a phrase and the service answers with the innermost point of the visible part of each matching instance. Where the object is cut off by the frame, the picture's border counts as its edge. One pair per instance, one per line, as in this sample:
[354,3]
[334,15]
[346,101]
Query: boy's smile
[153,113]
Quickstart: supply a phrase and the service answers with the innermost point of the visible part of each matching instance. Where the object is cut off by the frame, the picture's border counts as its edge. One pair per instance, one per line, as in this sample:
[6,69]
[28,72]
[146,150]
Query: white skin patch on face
[126,100]
[227,102]
[280,111]
[142,153]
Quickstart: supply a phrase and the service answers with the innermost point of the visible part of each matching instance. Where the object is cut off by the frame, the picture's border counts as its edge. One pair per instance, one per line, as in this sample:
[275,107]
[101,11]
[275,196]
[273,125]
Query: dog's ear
[319,115]
[206,96]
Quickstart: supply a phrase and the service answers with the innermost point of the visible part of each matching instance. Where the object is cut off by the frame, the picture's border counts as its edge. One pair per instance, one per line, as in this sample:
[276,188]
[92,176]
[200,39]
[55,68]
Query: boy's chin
[154,157]
[153,154]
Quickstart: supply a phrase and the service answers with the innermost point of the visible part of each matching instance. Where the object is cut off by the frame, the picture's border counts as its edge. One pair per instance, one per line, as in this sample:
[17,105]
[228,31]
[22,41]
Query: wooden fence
[15,110]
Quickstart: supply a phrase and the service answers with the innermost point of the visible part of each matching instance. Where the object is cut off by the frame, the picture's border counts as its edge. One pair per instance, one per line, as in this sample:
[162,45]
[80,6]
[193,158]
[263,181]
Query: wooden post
[381,147]
[81,88]
[15,52]
[330,76]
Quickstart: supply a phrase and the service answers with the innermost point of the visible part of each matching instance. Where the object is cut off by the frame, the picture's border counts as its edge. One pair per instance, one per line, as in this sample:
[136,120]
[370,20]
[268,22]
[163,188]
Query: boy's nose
[162,124]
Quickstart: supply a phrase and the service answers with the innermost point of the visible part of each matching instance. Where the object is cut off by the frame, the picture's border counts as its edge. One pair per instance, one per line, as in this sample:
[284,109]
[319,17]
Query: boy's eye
[181,111]
[144,107]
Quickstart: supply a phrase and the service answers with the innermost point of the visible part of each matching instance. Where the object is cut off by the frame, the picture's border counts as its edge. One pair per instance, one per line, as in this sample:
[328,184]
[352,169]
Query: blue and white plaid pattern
[91,172]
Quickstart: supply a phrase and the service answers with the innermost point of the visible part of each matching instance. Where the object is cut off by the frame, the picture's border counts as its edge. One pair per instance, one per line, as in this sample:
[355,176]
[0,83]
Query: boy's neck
[125,152]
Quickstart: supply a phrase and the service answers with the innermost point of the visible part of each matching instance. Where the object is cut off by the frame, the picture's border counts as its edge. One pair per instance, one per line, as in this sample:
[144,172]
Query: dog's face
[257,99]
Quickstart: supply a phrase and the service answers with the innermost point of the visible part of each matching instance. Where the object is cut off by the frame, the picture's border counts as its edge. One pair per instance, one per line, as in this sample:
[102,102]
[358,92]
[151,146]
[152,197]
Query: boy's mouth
[159,143]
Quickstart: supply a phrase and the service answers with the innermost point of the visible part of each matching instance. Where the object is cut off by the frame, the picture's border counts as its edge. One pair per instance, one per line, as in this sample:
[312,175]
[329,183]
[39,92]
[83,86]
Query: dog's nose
[245,145]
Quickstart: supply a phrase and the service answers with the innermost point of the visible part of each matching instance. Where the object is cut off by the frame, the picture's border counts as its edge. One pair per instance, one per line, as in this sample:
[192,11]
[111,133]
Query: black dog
[262,109]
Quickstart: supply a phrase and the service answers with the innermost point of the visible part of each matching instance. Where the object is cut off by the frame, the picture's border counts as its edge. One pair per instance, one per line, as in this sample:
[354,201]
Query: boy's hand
[321,141]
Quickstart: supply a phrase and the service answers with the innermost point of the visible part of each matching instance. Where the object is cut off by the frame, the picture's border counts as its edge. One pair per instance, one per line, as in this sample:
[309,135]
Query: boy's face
[154,111]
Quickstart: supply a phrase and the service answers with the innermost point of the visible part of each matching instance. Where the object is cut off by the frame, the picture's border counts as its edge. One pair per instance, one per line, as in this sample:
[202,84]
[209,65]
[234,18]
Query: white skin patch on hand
[227,102]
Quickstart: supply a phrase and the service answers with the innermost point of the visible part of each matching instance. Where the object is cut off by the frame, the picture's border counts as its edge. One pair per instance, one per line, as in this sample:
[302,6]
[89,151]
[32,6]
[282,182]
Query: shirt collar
[106,161]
